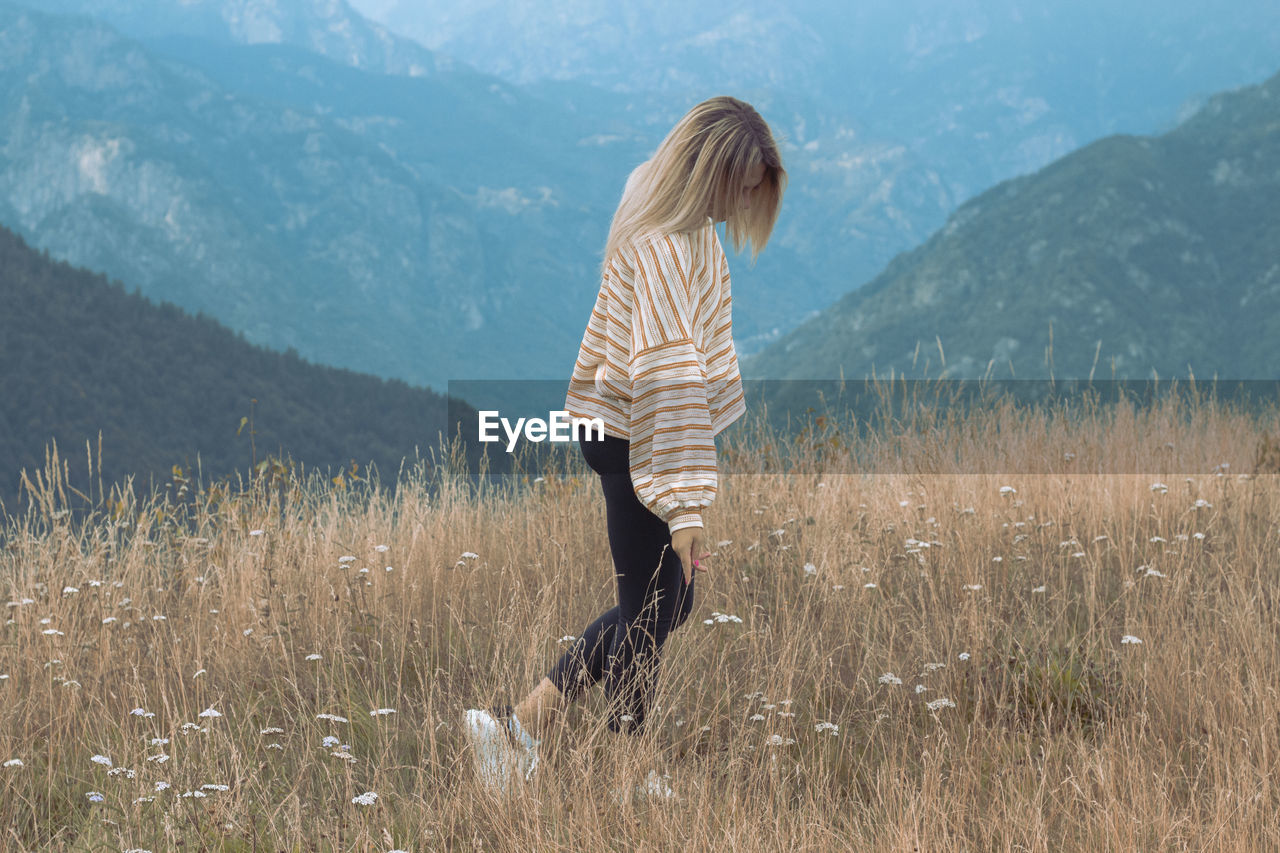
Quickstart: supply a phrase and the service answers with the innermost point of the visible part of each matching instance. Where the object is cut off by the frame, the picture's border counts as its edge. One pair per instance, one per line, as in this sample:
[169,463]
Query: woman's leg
[623,643]
[653,599]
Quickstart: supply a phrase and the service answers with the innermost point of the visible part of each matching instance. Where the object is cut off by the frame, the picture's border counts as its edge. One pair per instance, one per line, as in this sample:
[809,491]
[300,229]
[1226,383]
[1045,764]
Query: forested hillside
[79,355]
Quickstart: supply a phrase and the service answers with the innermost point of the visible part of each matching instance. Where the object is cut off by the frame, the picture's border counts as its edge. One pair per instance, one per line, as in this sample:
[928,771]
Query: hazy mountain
[79,356]
[980,90]
[395,242]
[330,28]
[892,111]
[1156,253]
[420,228]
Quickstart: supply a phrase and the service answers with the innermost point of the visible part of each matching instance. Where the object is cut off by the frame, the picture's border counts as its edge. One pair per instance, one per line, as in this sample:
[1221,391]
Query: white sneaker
[501,748]
[653,788]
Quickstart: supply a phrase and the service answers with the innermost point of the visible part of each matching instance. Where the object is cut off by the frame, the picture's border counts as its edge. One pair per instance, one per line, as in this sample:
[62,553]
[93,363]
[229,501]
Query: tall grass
[926,659]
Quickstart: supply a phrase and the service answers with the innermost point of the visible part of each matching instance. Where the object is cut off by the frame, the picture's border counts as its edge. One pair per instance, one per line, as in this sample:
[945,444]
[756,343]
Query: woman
[657,365]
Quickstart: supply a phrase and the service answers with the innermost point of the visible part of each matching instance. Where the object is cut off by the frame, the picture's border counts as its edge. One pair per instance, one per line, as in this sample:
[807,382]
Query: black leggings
[623,645]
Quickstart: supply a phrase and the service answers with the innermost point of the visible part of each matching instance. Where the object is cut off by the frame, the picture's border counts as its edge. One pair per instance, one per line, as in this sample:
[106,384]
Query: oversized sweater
[657,365]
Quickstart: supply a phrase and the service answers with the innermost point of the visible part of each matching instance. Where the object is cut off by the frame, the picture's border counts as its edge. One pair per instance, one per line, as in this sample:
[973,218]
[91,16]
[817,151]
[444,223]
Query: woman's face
[752,180]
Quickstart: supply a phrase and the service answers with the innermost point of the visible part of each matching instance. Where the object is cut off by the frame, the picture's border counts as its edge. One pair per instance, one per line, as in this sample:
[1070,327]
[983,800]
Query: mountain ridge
[1091,243]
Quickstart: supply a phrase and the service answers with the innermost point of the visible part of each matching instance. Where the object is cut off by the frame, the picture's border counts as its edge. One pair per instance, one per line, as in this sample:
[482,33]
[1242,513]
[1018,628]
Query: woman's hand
[688,543]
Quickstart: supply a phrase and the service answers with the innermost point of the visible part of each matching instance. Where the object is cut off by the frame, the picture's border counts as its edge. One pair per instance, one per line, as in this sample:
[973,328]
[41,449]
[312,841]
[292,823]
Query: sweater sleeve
[673,452]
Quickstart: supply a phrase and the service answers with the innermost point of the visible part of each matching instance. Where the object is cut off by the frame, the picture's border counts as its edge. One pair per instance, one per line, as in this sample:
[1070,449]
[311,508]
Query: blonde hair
[700,167]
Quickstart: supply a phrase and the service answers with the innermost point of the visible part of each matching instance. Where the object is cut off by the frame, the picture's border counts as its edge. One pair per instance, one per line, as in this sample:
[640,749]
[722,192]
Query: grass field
[1051,658]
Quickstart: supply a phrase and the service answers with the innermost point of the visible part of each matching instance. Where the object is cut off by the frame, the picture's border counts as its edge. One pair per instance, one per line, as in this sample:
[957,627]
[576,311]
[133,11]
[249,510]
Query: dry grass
[1012,605]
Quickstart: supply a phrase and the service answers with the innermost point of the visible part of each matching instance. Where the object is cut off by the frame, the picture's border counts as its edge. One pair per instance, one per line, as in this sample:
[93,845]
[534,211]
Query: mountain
[555,152]
[981,90]
[406,240]
[892,112]
[330,28]
[79,356]
[1156,253]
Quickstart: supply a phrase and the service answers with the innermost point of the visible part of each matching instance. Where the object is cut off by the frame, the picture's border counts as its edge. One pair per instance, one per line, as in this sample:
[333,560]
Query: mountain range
[1145,255]
[316,182]
[330,28]
[380,244]
[980,90]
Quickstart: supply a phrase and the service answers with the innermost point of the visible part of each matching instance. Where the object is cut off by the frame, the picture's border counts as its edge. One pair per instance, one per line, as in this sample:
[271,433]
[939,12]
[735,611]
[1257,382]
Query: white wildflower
[890,678]
[1129,639]
[939,704]
[14,762]
[210,712]
[313,656]
[101,759]
[1007,490]
[365,799]
[381,712]
[333,717]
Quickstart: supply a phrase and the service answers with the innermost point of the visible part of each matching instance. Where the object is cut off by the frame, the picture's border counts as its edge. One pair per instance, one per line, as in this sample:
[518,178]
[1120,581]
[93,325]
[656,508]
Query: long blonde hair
[698,168]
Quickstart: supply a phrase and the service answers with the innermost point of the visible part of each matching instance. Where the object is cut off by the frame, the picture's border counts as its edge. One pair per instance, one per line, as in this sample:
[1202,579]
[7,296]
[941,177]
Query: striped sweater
[657,365]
